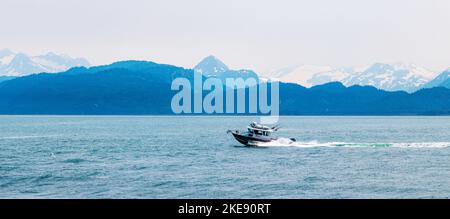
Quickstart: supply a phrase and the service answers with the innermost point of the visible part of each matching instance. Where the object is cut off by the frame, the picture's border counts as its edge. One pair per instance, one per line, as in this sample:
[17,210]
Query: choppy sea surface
[193,157]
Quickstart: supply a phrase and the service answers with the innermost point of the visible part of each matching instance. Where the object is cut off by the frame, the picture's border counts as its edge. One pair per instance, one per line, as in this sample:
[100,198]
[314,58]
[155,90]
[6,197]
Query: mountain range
[390,77]
[142,87]
[20,64]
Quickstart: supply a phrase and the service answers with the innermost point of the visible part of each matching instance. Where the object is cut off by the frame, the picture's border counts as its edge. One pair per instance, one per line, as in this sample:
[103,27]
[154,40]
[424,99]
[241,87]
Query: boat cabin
[258,129]
[259,132]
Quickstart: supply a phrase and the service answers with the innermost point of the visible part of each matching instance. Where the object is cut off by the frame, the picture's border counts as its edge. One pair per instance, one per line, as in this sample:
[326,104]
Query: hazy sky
[253,34]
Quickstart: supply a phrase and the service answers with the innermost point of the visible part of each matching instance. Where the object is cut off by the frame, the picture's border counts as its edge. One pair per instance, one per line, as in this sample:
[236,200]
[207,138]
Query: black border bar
[240,207]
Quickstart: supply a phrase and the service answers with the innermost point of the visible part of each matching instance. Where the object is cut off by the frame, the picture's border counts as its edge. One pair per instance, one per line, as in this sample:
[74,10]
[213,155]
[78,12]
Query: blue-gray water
[193,157]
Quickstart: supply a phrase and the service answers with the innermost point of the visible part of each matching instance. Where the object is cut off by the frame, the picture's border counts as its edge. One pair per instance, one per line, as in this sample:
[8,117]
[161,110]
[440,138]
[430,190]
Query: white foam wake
[286,142]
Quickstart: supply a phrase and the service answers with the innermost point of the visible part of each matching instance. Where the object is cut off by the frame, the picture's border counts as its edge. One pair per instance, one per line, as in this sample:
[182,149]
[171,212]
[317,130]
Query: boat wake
[286,142]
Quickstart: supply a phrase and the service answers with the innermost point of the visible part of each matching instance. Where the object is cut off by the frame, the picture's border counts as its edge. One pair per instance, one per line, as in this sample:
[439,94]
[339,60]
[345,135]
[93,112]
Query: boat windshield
[258,132]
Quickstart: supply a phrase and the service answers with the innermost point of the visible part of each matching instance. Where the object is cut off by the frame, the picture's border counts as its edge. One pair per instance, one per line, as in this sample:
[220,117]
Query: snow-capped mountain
[391,77]
[446,83]
[213,67]
[20,64]
[407,77]
[6,56]
[300,74]
[442,79]
[337,74]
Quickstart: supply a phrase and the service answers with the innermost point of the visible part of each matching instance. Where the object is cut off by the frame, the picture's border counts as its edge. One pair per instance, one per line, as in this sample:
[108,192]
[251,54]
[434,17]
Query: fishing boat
[256,135]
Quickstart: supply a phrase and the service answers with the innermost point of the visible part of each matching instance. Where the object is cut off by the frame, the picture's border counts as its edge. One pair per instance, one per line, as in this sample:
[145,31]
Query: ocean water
[193,157]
